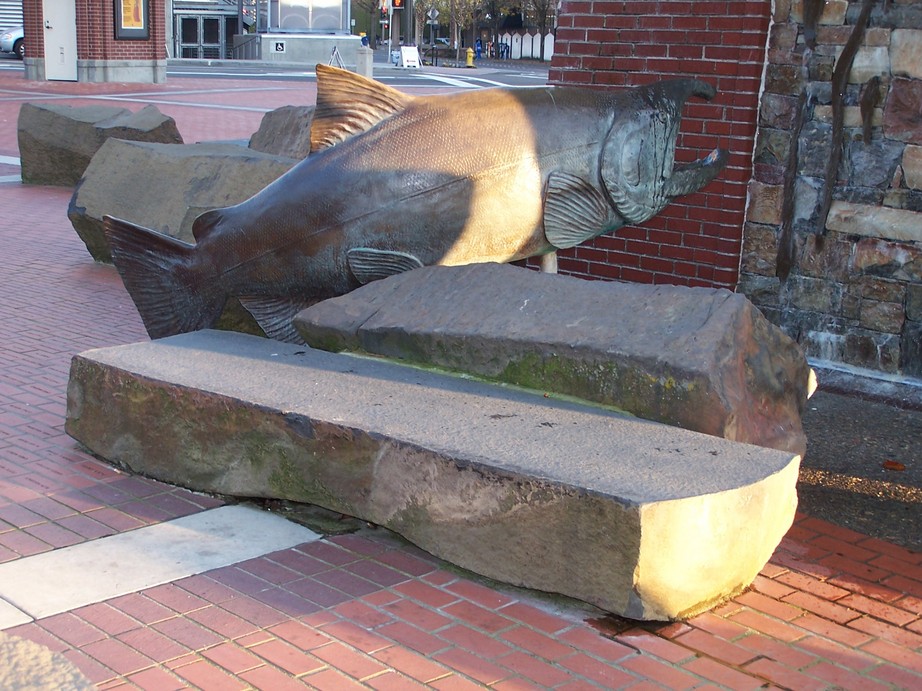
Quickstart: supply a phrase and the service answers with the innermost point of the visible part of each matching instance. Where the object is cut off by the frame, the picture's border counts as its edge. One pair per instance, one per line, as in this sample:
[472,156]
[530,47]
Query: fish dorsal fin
[369,264]
[575,211]
[274,315]
[348,104]
[205,223]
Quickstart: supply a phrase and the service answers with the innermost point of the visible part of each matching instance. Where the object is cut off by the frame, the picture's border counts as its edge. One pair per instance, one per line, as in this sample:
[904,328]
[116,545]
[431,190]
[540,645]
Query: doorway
[200,36]
[59,19]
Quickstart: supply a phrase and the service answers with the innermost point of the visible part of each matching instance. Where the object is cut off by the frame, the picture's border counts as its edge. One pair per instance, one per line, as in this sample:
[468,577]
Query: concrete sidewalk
[834,608]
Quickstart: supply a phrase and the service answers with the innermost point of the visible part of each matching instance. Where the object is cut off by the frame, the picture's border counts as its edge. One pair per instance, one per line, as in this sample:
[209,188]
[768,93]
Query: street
[498,73]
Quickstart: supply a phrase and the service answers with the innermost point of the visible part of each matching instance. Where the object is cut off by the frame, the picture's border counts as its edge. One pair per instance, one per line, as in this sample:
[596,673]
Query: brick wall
[697,239]
[96,32]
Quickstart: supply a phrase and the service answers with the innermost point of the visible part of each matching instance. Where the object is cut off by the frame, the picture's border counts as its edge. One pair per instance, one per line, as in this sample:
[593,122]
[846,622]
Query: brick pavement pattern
[832,609]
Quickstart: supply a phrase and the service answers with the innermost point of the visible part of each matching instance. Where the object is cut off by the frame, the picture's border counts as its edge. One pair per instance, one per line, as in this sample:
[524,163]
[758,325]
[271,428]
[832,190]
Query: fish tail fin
[172,294]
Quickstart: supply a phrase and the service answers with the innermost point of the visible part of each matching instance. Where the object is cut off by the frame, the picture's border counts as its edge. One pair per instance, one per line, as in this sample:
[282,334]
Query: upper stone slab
[698,358]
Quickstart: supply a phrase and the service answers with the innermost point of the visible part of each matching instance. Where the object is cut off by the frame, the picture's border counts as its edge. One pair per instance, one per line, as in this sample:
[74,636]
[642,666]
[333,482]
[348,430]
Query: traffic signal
[397,4]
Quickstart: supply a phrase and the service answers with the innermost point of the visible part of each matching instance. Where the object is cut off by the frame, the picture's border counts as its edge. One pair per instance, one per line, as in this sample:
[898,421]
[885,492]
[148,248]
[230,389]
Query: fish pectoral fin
[369,264]
[348,104]
[575,211]
[274,315]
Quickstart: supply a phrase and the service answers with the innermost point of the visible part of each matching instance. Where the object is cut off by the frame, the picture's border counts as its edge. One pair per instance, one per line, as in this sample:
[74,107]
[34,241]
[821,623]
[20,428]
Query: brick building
[95,42]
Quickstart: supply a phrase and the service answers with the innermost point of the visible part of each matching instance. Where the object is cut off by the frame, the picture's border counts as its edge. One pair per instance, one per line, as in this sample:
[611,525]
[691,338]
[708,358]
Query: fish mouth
[691,177]
[639,170]
[671,96]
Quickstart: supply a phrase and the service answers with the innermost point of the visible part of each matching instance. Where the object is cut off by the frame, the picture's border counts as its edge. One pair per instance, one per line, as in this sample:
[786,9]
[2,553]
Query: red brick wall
[32,26]
[697,239]
[96,32]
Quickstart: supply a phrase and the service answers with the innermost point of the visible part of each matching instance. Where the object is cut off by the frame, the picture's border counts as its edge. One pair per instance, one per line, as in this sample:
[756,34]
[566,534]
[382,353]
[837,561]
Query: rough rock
[165,187]
[875,221]
[642,519]
[699,358]
[285,131]
[903,111]
[56,142]
[26,665]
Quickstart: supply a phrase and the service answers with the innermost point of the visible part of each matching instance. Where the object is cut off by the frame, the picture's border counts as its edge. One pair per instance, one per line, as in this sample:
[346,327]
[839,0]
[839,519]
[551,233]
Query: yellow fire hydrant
[470,57]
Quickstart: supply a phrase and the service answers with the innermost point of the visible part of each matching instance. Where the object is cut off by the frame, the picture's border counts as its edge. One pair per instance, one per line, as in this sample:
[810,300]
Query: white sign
[409,56]
[433,14]
[278,47]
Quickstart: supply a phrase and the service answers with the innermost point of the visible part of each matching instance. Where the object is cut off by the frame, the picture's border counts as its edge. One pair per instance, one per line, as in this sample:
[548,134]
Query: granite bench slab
[639,518]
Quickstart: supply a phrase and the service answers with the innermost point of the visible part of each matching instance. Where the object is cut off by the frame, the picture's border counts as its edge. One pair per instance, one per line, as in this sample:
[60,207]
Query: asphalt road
[863,467]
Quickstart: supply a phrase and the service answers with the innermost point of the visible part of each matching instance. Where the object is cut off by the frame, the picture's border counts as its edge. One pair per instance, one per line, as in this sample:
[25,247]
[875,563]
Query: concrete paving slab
[636,517]
[71,577]
[11,616]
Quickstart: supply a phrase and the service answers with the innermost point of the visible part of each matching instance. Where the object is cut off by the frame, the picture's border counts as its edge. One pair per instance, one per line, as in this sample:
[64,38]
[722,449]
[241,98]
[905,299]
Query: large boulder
[165,187]
[285,131]
[57,142]
[638,518]
[699,358]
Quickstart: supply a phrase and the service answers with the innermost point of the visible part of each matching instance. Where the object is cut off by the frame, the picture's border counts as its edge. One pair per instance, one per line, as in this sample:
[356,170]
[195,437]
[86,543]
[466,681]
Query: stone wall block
[906,53]
[903,111]
[806,198]
[909,200]
[914,302]
[823,345]
[819,69]
[760,249]
[783,36]
[828,257]
[783,79]
[777,111]
[814,149]
[872,350]
[875,221]
[763,291]
[874,164]
[880,289]
[912,166]
[765,203]
[911,349]
[833,12]
[772,146]
[814,294]
[870,61]
[823,113]
[893,260]
[886,317]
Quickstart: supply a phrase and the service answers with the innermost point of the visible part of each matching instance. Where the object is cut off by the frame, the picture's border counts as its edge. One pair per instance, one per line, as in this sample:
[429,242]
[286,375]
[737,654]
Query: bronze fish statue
[395,182]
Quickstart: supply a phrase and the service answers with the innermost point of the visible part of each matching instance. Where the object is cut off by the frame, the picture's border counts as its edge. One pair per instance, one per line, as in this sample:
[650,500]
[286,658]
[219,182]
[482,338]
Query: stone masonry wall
[854,291]
[697,239]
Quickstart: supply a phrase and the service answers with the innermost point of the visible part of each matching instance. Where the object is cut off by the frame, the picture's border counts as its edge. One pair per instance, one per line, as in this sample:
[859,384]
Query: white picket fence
[528,45]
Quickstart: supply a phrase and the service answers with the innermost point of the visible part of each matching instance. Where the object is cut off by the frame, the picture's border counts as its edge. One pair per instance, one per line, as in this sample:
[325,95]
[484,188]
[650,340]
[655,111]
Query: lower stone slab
[641,519]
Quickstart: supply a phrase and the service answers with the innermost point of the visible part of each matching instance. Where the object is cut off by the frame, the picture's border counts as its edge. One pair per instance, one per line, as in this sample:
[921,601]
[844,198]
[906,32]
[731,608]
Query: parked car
[11,42]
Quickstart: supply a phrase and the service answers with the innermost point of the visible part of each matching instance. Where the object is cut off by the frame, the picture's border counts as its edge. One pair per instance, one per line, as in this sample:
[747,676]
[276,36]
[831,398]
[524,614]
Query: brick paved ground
[833,608]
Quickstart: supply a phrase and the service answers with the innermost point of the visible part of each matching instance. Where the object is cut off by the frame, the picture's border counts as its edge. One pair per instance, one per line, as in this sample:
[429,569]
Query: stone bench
[165,186]
[57,142]
[700,358]
[639,518]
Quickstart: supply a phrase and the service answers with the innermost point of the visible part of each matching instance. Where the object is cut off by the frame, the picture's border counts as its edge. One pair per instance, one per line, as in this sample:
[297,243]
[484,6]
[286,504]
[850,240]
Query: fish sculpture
[395,182]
